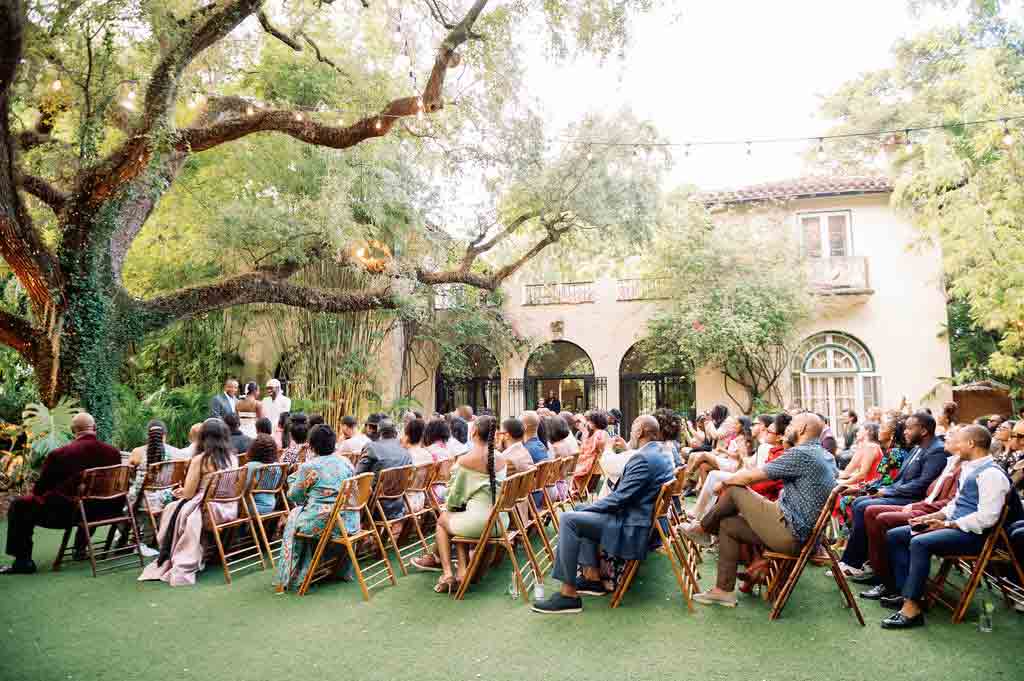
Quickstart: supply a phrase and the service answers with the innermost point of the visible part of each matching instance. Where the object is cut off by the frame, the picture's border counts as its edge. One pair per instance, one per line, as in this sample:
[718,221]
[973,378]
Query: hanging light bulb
[57,85]
[249,111]
[377,124]
[1008,138]
[419,115]
[128,104]
[590,156]
[298,115]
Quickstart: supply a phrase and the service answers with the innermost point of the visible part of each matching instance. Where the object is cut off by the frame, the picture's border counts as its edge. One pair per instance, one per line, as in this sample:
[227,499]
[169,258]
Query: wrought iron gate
[643,393]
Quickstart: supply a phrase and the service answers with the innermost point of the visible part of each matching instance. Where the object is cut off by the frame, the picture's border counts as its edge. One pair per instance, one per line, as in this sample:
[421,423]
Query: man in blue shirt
[538,450]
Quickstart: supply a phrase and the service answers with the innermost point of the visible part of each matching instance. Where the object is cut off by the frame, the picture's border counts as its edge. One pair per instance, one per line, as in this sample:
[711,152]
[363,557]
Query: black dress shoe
[879,592]
[19,567]
[892,602]
[898,620]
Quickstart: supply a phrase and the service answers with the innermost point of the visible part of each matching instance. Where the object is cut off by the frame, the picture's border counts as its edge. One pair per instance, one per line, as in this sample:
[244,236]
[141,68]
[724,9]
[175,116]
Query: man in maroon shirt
[50,504]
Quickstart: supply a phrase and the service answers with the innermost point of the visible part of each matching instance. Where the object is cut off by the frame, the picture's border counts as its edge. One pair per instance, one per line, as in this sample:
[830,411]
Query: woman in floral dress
[890,437]
[314,487]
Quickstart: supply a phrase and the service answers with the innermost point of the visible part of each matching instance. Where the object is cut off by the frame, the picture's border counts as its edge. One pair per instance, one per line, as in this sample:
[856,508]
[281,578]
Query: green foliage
[739,294]
[47,428]
[970,346]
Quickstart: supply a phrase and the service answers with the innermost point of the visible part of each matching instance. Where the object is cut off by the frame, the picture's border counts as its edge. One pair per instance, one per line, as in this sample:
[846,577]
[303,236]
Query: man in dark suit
[925,462]
[620,523]
[50,503]
[224,403]
[387,452]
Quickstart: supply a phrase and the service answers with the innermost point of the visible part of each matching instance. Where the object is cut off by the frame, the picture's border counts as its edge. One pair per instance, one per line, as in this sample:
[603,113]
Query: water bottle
[985,617]
[538,591]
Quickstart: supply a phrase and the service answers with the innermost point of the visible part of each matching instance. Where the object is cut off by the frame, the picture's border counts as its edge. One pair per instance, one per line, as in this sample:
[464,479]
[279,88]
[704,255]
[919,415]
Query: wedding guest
[281,436]
[459,441]
[50,504]
[620,523]
[473,488]
[890,438]
[671,426]
[249,409]
[353,440]
[412,440]
[298,431]
[535,445]
[863,466]
[262,451]
[193,442]
[239,441]
[381,455]
[314,488]
[510,442]
[593,446]
[181,522]
[276,402]
[560,438]
[573,445]
[224,403]
[775,437]
[264,427]
[435,439]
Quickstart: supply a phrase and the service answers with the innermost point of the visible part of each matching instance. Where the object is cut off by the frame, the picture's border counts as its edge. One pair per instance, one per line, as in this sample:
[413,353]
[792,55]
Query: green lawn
[69,626]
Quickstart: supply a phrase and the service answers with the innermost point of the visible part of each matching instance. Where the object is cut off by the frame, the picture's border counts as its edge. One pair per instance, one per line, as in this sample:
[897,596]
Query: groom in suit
[620,523]
[224,403]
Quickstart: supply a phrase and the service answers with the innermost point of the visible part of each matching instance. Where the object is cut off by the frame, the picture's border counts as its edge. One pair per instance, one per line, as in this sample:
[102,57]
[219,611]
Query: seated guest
[596,441]
[435,439]
[536,445]
[619,524]
[774,436]
[314,488]
[744,450]
[925,462]
[573,445]
[154,451]
[297,450]
[878,520]
[281,430]
[372,426]
[239,441]
[472,489]
[412,440]
[867,453]
[262,451]
[744,517]
[181,522]
[50,504]
[1000,436]
[193,442]
[381,455]
[671,426]
[510,442]
[458,442]
[890,440]
[958,528]
[264,427]
[721,458]
[562,444]
[352,440]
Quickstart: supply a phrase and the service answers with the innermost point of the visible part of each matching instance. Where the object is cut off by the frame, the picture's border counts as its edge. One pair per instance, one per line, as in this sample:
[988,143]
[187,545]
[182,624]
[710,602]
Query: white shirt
[354,444]
[992,489]
[951,462]
[456,448]
[273,408]
[186,453]
[761,458]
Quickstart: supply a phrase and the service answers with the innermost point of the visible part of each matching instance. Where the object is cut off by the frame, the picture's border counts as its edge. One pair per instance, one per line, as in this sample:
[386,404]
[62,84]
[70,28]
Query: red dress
[770,489]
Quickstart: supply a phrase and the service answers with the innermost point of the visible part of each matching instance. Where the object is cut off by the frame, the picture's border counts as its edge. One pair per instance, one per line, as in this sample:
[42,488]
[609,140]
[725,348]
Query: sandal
[446,585]
[428,563]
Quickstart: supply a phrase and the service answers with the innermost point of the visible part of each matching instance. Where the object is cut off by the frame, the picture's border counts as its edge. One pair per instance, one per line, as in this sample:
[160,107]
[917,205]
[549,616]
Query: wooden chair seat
[227,488]
[392,485]
[160,476]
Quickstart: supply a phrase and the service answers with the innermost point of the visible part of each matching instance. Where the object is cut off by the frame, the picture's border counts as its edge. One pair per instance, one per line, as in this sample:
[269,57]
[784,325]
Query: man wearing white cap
[276,403]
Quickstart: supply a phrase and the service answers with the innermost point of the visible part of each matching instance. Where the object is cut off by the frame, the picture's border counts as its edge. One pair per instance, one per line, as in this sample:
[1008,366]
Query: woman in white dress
[249,409]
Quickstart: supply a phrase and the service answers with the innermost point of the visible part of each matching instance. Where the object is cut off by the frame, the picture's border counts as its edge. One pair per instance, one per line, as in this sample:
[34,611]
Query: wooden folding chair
[227,490]
[354,496]
[438,489]
[784,570]
[422,476]
[568,465]
[243,458]
[996,549]
[683,565]
[497,534]
[160,477]
[272,478]
[103,487]
[585,485]
[391,485]
[545,476]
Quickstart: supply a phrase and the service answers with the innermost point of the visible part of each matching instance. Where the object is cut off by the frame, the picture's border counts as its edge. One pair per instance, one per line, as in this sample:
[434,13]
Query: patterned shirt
[808,474]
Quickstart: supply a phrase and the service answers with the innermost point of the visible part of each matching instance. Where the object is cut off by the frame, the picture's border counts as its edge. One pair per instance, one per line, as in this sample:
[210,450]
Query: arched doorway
[479,387]
[563,370]
[833,372]
[646,385]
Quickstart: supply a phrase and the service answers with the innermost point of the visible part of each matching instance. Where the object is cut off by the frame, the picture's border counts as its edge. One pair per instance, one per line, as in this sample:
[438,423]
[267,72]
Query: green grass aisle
[71,627]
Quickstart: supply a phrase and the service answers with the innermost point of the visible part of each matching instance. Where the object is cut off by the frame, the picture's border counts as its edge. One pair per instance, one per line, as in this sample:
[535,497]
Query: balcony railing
[566,293]
[838,275]
[643,289]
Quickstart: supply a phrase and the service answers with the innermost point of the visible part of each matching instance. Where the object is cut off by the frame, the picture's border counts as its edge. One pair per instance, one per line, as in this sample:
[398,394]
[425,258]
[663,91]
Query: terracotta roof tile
[799,188]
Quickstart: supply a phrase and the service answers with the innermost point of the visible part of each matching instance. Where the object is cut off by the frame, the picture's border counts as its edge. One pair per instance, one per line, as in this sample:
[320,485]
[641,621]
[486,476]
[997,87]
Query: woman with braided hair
[472,489]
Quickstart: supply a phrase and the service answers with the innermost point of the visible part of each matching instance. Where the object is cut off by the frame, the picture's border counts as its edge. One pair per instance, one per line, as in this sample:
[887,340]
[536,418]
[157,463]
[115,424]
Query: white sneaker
[709,598]
[148,552]
[694,531]
[847,570]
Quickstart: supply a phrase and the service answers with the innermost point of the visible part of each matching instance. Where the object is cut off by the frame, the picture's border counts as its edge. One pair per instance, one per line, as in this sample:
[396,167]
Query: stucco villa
[875,338]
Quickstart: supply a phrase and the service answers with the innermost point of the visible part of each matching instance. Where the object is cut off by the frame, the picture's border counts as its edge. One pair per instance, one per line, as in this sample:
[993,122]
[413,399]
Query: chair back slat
[106,482]
[226,486]
[392,483]
[515,489]
[165,474]
[270,478]
[422,475]
[357,492]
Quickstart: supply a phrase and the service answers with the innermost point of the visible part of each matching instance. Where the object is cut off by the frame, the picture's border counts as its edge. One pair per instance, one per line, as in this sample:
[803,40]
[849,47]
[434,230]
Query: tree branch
[16,332]
[44,191]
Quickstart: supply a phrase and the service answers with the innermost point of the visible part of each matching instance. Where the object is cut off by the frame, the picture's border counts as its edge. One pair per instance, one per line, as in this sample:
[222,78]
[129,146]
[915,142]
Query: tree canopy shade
[206,129]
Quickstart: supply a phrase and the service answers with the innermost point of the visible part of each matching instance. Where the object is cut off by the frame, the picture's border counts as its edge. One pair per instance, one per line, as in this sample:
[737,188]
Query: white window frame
[805,376]
[826,251]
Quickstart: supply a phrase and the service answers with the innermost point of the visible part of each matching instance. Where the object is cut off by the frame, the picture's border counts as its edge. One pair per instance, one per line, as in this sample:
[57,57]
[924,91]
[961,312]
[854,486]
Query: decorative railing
[846,274]
[565,293]
[643,289]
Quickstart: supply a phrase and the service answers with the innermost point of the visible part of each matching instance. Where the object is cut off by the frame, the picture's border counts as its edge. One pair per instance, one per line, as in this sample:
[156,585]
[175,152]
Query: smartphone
[919,527]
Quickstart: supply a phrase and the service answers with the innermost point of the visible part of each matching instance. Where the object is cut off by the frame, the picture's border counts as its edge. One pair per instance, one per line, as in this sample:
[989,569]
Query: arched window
[833,372]
[562,374]
[645,384]
[479,386]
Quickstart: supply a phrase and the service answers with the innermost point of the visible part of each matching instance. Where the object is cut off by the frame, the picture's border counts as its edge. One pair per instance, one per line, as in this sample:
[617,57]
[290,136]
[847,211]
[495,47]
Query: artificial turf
[69,626]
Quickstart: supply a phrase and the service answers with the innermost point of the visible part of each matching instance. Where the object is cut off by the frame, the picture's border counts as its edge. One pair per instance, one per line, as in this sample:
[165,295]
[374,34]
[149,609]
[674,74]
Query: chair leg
[220,552]
[967,595]
[624,582]
[475,559]
[844,586]
[391,539]
[358,570]
[87,532]
[63,549]
[384,556]
[263,536]
[314,562]
[136,535]
[934,589]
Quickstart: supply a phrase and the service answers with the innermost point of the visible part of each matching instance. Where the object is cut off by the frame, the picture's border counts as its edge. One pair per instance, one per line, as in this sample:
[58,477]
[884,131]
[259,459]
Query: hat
[273,383]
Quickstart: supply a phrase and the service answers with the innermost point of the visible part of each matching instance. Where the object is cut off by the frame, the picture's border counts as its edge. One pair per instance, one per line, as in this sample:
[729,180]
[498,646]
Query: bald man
[620,523]
[537,449]
[741,516]
[50,504]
